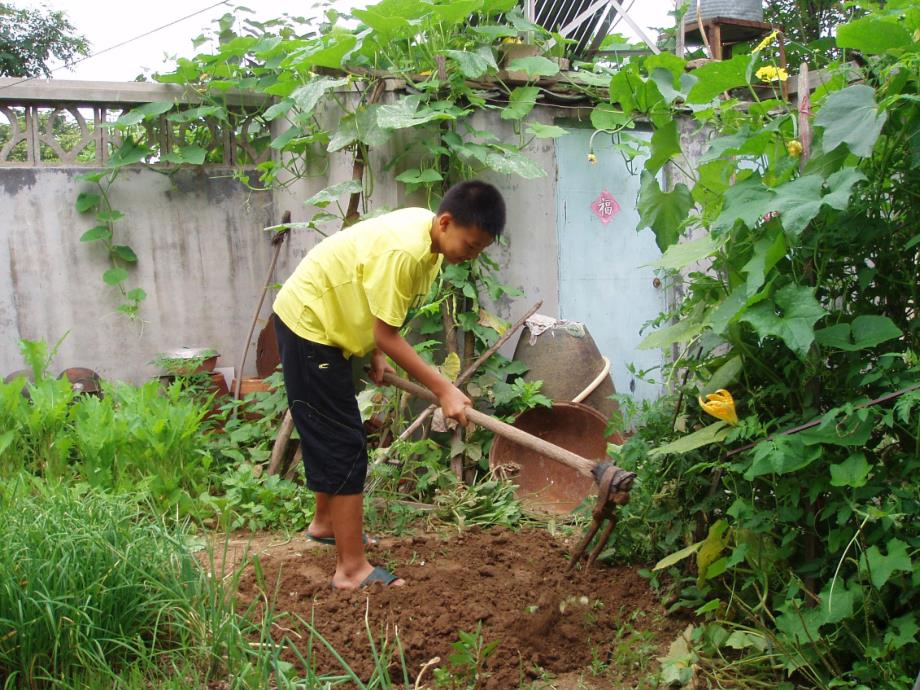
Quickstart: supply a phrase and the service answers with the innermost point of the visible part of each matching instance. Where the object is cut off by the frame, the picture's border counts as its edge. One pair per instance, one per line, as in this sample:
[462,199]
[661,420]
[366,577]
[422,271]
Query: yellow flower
[592,158]
[721,406]
[794,148]
[771,73]
[765,42]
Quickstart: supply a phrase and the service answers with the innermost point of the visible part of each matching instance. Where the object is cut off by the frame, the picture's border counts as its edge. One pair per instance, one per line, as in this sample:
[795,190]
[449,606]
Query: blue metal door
[604,276]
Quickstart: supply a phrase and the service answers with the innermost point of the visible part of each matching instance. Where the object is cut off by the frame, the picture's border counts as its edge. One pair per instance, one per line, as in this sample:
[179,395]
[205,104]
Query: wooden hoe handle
[550,450]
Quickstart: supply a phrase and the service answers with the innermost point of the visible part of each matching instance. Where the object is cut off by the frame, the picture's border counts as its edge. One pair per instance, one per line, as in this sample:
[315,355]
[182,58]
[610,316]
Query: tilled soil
[546,623]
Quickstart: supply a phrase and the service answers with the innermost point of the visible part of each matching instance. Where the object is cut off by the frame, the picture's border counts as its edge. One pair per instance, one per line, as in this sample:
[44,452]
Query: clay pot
[566,360]
[544,484]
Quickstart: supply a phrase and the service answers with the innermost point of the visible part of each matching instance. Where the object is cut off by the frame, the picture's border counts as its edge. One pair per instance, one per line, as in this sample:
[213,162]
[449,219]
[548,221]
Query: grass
[95,594]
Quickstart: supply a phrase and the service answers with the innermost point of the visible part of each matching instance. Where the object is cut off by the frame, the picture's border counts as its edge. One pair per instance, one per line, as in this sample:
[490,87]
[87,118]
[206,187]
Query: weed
[470,653]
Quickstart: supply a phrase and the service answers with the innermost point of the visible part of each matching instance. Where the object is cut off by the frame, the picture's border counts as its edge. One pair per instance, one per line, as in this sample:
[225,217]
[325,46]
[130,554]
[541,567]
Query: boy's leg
[352,566]
[321,525]
[322,402]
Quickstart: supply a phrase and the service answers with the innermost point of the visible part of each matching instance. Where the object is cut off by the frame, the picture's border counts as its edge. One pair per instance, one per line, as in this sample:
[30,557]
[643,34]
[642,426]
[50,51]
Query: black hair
[475,203]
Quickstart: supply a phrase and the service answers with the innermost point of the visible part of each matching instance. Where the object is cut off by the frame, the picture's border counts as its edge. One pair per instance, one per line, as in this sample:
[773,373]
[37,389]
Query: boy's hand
[379,367]
[454,404]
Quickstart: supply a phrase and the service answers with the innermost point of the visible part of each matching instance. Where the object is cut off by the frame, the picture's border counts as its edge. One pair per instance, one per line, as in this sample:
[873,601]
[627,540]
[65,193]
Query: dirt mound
[513,582]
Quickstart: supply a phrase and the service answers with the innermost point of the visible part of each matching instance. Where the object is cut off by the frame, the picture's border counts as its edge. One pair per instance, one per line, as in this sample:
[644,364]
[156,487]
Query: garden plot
[599,627]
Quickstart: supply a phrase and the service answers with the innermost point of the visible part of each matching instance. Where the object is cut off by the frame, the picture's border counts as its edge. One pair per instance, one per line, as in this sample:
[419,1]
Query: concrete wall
[203,256]
[203,260]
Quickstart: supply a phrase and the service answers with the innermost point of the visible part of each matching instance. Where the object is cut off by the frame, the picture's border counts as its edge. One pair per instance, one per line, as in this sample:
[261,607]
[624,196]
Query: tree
[30,38]
[809,26]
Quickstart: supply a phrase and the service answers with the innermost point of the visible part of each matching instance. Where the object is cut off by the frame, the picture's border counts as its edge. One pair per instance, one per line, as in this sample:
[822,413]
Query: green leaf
[278,109]
[332,193]
[472,65]
[902,631]
[714,433]
[92,176]
[389,20]
[521,102]
[854,471]
[606,117]
[683,254]
[99,232]
[193,155]
[680,332]
[711,548]
[837,428]
[198,113]
[137,295]
[307,96]
[534,66]
[125,253]
[541,131]
[109,216]
[86,201]
[359,126]
[665,144]
[510,162]
[327,51]
[416,176]
[455,11]
[664,80]
[732,308]
[872,35]
[781,455]
[724,376]
[864,332]
[794,324]
[405,113]
[664,212]
[767,254]
[144,112]
[850,117]
[798,201]
[128,153]
[6,439]
[841,184]
[715,77]
[748,201]
[881,567]
[286,137]
[114,276]
[677,556]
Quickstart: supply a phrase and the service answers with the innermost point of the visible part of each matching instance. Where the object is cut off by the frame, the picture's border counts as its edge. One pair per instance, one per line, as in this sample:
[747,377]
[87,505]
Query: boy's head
[470,217]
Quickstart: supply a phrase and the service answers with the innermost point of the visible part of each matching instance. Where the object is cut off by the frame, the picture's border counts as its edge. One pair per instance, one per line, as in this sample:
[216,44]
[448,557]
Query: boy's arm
[390,342]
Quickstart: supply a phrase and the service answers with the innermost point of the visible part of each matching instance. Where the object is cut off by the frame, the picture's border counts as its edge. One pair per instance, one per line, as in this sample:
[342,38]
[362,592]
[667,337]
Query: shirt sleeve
[389,281]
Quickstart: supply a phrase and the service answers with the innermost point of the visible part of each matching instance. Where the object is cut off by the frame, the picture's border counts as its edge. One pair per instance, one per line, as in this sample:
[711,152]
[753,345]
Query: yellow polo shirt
[375,269]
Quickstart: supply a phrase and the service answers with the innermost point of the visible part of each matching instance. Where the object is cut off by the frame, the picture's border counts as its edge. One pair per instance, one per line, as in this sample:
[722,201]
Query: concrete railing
[52,123]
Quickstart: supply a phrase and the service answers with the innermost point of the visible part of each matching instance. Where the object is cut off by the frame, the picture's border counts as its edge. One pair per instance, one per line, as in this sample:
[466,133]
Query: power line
[123,43]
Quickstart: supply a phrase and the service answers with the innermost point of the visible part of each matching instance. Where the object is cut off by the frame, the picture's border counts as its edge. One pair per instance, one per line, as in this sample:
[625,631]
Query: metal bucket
[566,360]
[546,485]
[749,10]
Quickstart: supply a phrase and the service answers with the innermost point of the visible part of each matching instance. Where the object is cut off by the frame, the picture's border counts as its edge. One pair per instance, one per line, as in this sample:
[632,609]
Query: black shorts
[321,396]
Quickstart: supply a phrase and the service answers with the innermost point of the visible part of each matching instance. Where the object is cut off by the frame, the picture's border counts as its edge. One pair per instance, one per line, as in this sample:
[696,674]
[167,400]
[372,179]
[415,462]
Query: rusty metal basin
[543,484]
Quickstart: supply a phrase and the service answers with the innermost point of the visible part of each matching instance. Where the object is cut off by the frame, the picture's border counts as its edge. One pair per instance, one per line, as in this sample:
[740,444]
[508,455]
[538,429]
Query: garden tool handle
[552,451]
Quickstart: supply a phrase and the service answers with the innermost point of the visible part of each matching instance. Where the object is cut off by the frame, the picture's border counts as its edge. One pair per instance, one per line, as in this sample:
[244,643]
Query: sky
[106,23]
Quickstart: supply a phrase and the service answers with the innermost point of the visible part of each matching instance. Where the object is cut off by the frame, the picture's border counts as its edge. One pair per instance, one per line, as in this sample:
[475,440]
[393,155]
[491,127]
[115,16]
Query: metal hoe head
[613,487]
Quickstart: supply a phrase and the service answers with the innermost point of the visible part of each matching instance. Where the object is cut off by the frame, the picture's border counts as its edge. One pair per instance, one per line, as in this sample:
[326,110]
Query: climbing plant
[790,522]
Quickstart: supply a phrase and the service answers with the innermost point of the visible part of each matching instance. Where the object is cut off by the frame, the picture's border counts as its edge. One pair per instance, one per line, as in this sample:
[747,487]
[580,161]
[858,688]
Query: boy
[349,296]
